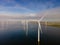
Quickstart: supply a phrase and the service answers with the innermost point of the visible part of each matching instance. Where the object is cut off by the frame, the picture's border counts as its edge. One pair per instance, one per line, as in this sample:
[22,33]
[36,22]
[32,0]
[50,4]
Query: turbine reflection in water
[39,29]
[26,27]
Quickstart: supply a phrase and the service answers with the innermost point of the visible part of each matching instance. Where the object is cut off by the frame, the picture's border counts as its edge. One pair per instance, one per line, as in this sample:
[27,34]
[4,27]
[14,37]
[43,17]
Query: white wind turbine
[39,28]
[26,22]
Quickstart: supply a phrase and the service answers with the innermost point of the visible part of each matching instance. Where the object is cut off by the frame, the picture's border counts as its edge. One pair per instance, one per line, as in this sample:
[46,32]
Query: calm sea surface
[14,33]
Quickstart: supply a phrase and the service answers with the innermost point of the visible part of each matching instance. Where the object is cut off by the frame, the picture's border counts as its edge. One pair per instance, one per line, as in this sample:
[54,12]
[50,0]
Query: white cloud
[51,14]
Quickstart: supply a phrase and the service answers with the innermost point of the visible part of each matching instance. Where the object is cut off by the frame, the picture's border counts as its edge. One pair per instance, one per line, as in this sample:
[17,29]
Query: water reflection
[14,32]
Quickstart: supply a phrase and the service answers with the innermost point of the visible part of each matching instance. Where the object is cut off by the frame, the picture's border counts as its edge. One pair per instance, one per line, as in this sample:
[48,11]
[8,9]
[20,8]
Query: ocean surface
[14,33]
[50,35]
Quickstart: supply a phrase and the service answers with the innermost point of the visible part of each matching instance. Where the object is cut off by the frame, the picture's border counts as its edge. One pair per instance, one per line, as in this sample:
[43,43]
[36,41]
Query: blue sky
[27,6]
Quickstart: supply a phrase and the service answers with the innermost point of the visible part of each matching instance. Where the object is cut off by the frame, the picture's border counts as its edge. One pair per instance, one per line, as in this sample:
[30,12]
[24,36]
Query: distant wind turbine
[26,21]
[39,28]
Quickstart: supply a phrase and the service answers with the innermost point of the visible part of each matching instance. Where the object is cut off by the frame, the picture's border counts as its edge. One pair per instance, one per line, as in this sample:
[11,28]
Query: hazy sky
[27,7]
[17,9]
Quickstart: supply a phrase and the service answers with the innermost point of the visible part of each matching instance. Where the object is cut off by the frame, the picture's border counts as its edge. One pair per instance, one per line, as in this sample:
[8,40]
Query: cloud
[7,1]
[51,14]
[11,6]
[17,8]
[29,5]
[29,8]
[39,5]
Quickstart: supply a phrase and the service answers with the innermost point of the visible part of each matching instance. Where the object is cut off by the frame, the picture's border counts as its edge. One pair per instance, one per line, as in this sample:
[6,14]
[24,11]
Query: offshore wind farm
[26,26]
[29,22]
[32,31]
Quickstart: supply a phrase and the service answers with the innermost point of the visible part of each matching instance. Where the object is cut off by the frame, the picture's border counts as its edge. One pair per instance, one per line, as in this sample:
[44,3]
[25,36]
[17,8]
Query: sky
[29,7]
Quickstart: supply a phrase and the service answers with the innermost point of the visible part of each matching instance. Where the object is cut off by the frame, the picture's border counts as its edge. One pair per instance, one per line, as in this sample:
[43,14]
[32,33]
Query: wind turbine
[26,21]
[2,25]
[39,28]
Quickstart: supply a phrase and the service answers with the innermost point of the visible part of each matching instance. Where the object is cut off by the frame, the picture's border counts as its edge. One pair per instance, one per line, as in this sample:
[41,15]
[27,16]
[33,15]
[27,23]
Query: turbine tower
[39,28]
[26,21]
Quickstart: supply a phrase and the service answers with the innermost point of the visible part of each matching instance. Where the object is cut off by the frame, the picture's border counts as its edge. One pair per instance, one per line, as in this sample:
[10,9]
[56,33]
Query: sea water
[14,33]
